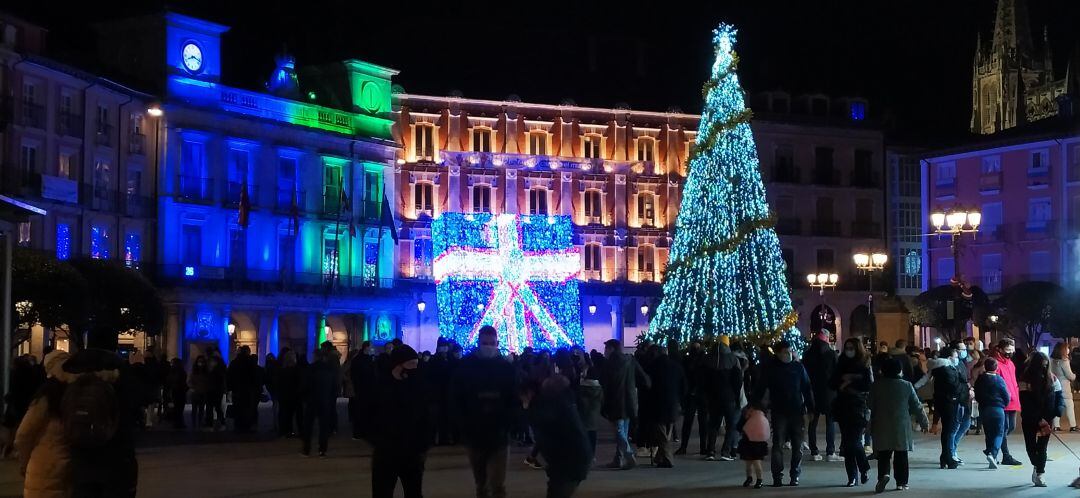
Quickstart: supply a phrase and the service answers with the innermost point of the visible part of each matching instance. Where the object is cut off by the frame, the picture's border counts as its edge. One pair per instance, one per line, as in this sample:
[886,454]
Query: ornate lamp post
[954,223]
[870,263]
[822,281]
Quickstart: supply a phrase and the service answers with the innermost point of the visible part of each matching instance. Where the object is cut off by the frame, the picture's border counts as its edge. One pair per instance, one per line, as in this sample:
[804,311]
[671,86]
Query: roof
[1046,129]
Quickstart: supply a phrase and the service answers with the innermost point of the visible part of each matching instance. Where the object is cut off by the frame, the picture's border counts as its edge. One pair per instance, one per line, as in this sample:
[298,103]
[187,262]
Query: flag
[343,200]
[245,206]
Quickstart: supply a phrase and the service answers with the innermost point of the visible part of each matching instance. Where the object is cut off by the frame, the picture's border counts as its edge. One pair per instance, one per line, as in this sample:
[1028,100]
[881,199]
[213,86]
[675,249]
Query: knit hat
[54,363]
[402,354]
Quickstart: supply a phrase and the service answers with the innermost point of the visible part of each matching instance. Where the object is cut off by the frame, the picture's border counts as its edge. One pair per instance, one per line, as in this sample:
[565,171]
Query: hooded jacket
[1007,371]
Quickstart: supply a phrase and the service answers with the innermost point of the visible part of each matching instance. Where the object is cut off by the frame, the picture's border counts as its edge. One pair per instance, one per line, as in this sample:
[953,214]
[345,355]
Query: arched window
[424,198]
[646,255]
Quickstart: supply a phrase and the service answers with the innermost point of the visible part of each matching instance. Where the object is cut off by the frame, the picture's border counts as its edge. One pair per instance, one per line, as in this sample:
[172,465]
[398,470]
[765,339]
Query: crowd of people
[74,417]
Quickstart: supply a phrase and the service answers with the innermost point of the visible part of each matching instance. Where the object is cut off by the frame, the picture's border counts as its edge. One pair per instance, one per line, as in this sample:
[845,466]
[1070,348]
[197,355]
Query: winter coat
[754,425]
[1065,375]
[199,381]
[483,401]
[1041,405]
[43,452]
[820,363]
[320,386]
[990,392]
[666,391]
[289,383]
[850,407]
[618,378]
[589,398]
[438,373]
[559,433]
[1007,371]
[905,364]
[722,380]
[893,406]
[949,388]
[400,424]
[789,388]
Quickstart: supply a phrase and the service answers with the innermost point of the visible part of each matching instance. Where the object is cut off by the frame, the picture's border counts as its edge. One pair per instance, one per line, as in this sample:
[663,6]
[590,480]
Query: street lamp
[421,306]
[954,223]
[870,263]
[822,281]
[232,328]
[592,308]
[155,112]
[645,309]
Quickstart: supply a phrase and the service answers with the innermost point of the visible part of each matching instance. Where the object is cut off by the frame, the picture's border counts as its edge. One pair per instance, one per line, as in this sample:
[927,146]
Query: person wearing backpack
[99,411]
[44,455]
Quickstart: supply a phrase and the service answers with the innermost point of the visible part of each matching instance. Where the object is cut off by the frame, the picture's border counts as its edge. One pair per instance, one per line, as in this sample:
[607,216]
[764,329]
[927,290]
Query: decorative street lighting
[870,263]
[822,281]
[155,112]
[645,309]
[954,223]
[421,306]
[592,308]
[232,328]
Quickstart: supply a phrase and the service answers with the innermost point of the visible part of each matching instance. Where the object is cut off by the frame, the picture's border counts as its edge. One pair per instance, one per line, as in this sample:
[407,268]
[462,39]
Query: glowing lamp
[956,219]
[937,219]
[861,259]
[232,328]
[155,112]
[833,278]
[974,219]
[645,309]
[592,308]
[401,161]
[880,259]
[421,306]
[822,278]
[811,278]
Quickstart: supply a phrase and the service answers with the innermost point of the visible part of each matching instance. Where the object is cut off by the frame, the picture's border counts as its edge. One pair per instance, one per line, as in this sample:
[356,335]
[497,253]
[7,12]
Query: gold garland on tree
[745,230]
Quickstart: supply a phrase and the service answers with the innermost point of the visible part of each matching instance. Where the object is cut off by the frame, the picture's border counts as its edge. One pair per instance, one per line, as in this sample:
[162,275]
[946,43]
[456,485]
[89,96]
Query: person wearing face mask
[947,398]
[483,404]
[820,362]
[851,381]
[963,369]
[791,397]
[618,378]
[1007,370]
[399,433]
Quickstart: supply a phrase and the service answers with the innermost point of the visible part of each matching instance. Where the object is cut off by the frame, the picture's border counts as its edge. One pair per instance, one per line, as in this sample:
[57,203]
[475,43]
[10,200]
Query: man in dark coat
[399,433]
[362,373]
[694,401]
[484,404]
[790,398]
[722,384]
[667,388]
[320,401]
[820,363]
[559,433]
[619,381]
[439,372]
[243,381]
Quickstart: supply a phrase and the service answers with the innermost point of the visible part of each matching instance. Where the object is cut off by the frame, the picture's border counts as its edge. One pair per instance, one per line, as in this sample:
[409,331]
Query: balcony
[103,134]
[1036,230]
[591,275]
[69,125]
[826,228]
[865,179]
[287,198]
[99,197]
[331,205]
[594,220]
[493,160]
[990,182]
[786,174]
[249,279]
[789,226]
[31,115]
[826,176]
[137,144]
[233,191]
[865,230]
[644,276]
[193,188]
[372,210]
[1038,177]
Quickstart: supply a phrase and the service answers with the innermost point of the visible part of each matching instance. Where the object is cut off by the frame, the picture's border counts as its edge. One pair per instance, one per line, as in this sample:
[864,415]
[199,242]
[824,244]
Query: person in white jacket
[1059,366]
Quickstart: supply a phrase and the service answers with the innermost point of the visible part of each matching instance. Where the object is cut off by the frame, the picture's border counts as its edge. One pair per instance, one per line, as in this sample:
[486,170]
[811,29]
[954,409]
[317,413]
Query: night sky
[911,58]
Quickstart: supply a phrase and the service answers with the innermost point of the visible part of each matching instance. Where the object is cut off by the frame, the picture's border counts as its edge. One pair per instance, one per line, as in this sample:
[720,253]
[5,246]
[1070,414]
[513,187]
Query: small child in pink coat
[754,443]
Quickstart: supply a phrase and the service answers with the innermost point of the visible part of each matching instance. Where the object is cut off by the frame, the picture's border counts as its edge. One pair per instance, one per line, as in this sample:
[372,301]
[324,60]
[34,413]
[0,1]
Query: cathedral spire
[1012,32]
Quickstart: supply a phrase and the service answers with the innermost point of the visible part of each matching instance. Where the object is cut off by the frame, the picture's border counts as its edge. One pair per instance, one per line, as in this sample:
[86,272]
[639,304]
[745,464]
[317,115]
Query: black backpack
[90,412]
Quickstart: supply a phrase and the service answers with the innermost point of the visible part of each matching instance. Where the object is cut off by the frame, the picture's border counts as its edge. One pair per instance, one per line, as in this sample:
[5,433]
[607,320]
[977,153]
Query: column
[174,332]
[567,194]
[268,334]
[453,192]
[511,191]
[620,200]
[616,317]
[223,335]
[312,335]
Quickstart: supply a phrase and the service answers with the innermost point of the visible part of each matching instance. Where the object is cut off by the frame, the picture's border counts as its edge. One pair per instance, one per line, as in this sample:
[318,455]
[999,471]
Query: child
[753,446]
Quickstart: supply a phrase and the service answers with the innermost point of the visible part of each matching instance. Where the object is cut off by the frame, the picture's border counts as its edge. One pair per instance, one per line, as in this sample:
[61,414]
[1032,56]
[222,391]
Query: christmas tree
[725,275]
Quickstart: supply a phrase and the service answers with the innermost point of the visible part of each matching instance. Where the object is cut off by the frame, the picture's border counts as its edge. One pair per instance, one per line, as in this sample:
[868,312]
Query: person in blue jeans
[947,398]
[993,397]
[820,362]
[790,398]
[964,415]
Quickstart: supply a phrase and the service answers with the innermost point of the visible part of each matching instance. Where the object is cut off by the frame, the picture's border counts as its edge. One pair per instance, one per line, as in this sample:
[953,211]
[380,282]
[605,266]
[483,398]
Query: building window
[784,165]
[593,207]
[99,242]
[646,261]
[593,260]
[424,141]
[826,260]
[858,111]
[24,234]
[1074,164]
[191,245]
[824,173]
[991,273]
[646,149]
[991,164]
[330,257]
[1038,213]
[945,174]
[1040,161]
[193,184]
[538,201]
[238,174]
[863,176]
[422,250]
[591,149]
[102,115]
[132,250]
[134,185]
[481,199]
[1039,265]
[538,143]
[424,197]
[912,263]
[371,263]
[789,260]
[286,254]
[646,209]
[946,268]
[63,241]
[286,183]
[333,191]
[819,106]
[28,162]
[65,164]
[481,139]
[237,248]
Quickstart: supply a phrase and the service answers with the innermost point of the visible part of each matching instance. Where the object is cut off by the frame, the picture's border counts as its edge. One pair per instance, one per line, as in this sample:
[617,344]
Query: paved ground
[221,464]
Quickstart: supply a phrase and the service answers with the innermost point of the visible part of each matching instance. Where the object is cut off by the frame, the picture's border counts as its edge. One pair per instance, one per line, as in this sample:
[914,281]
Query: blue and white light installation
[725,274]
[517,273]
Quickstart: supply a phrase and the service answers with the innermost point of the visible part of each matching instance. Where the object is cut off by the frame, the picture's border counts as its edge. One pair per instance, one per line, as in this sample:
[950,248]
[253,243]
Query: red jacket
[1007,370]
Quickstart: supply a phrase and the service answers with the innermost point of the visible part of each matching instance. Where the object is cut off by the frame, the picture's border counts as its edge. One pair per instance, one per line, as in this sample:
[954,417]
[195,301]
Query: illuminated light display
[725,274]
[509,272]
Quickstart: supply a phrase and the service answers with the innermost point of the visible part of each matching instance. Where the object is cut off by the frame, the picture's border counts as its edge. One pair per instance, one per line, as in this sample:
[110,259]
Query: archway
[824,317]
[863,323]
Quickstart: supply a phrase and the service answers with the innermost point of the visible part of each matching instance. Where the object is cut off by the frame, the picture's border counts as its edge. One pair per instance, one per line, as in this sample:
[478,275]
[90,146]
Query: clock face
[192,57]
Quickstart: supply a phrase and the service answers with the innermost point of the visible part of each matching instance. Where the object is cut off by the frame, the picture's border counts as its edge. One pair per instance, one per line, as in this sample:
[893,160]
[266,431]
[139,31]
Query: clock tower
[193,47]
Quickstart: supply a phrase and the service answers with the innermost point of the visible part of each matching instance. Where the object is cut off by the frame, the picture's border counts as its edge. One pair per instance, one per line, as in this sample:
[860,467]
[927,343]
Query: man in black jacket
[320,381]
[619,378]
[667,388]
[790,398]
[559,432]
[243,381]
[722,384]
[694,401]
[484,402]
[399,434]
[820,363]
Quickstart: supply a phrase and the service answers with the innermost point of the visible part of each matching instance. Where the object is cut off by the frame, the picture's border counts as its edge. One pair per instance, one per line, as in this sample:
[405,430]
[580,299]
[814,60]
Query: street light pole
[822,281]
[870,264]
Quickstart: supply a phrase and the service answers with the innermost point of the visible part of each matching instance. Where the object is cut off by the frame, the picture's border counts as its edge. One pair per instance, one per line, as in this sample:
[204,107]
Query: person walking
[851,382]
[199,382]
[242,381]
[618,379]
[820,362]
[484,402]
[289,386]
[790,398]
[893,406]
[1040,401]
[966,392]
[993,397]
[722,383]
[947,396]
[590,396]
[43,451]
[694,403]
[1007,370]
[558,432]
[440,369]
[400,422]
[668,387]
[362,372]
[753,426]
[320,388]
[1059,366]
[176,383]
[216,392]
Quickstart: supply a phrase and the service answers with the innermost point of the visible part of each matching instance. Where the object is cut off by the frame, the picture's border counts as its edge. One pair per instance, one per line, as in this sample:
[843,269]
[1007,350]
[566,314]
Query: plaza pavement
[222,464]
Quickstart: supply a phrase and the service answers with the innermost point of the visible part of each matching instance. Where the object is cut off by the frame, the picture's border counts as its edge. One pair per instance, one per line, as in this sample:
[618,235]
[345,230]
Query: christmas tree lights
[725,274]
[516,273]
